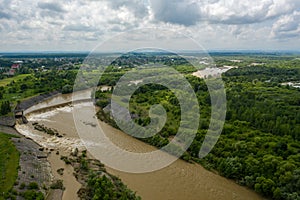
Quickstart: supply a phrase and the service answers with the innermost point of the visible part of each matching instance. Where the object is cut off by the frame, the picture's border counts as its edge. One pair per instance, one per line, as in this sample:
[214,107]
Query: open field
[9,157]
[6,81]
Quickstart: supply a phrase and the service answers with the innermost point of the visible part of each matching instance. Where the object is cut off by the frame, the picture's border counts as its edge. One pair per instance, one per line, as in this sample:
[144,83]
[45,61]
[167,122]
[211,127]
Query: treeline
[34,84]
[259,145]
[268,106]
[269,74]
[134,59]
[103,187]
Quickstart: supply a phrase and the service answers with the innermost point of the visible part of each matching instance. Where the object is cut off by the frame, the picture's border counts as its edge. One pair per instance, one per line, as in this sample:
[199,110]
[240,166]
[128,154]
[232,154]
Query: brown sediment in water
[180,180]
[56,147]
[49,104]
[71,185]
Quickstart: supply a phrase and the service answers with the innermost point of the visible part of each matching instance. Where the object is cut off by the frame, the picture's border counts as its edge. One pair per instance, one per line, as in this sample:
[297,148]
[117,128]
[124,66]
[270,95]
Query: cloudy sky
[80,25]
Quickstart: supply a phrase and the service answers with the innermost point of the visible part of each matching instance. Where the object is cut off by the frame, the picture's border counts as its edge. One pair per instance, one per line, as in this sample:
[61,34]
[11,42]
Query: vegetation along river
[180,180]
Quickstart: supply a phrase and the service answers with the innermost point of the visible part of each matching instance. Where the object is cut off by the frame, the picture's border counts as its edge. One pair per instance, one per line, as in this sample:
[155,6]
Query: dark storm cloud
[176,12]
[51,6]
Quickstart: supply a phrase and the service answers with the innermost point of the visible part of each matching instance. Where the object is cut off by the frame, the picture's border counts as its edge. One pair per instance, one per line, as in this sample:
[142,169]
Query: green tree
[264,186]
[277,193]
[23,86]
[67,89]
[5,108]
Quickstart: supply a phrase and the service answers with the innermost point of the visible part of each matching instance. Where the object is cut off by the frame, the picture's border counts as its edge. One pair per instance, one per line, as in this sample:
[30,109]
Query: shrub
[22,186]
[33,186]
[57,185]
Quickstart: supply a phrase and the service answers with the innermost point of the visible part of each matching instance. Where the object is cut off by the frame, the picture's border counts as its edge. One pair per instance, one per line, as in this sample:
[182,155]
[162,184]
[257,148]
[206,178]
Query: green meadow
[9,162]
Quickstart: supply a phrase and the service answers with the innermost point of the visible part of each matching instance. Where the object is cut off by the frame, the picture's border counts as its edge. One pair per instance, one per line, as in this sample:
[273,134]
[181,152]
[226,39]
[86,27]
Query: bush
[33,186]
[22,186]
[66,160]
[57,185]
[5,108]
[32,195]
[67,89]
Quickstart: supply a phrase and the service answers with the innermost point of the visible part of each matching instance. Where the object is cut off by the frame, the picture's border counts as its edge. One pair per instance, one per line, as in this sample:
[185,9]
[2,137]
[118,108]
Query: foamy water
[50,142]
[48,118]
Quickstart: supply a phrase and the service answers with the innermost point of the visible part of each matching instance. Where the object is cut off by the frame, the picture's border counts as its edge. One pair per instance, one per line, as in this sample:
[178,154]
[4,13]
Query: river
[180,180]
[212,71]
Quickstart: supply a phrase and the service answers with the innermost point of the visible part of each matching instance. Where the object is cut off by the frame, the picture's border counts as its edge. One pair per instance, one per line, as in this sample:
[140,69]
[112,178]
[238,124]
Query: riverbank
[49,143]
[38,164]
[54,154]
[10,121]
[180,180]
[67,162]
[33,165]
[24,105]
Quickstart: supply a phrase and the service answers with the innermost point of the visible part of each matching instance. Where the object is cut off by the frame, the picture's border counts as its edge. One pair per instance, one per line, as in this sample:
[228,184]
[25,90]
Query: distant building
[11,72]
[15,66]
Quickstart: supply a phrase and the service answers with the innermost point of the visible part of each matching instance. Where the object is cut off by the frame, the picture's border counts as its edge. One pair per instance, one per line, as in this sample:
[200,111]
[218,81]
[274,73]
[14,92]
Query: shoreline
[46,159]
[127,177]
[204,178]
[52,157]
[33,164]
[10,121]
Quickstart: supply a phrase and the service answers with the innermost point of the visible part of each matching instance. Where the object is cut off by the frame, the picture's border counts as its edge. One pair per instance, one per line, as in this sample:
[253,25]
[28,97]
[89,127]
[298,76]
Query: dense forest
[259,145]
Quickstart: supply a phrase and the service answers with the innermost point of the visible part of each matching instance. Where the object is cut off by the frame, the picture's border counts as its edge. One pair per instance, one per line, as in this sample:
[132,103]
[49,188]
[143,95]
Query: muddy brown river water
[180,180]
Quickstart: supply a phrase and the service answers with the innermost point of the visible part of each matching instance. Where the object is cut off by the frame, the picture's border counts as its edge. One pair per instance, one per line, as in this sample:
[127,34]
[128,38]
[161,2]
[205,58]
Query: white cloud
[288,26]
[78,24]
[189,12]
[237,12]
[137,7]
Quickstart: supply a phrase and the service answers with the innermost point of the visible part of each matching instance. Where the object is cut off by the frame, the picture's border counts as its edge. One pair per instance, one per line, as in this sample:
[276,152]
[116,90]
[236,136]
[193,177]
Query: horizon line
[178,51]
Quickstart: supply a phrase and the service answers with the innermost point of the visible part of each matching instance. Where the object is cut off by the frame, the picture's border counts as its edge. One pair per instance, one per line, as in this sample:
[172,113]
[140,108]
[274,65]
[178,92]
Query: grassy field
[6,81]
[9,162]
